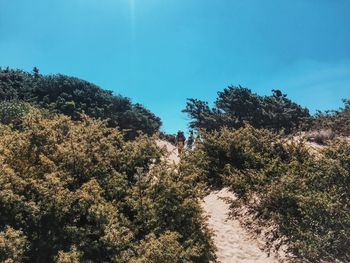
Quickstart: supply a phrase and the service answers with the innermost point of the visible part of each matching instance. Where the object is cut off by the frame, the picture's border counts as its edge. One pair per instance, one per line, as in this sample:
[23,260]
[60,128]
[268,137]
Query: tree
[241,104]
[73,97]
[236,106]
[36,74]
[199,112]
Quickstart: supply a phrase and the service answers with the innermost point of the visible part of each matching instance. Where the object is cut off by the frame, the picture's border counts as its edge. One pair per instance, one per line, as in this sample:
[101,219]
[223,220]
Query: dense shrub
[13,245]
[76,191]
[336,120]
[236,106]
[72,96]
[12,112]
[306,195]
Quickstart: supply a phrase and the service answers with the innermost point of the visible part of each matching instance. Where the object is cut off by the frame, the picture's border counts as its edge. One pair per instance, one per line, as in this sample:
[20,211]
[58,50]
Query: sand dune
[171,149]
[233,242]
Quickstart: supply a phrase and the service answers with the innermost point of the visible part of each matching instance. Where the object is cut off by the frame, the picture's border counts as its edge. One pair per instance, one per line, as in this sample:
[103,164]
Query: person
[190,141]
[180,141]
[198,140]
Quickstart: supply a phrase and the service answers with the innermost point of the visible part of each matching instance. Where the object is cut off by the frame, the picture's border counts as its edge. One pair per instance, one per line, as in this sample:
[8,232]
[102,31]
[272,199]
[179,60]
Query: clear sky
[160,52]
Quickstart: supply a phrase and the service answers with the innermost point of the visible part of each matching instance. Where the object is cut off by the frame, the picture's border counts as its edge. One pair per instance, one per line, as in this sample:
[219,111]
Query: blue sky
[160,52]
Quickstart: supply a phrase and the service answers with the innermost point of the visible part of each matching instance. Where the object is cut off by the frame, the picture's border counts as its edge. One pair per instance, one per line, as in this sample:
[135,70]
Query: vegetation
[72,97]
[236,106]
[12,112]
[168,137]
[337,121]
[307,196]
[76,191]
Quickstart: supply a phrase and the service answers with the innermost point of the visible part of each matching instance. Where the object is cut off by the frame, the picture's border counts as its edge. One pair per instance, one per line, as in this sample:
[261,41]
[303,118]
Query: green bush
[338,121]
[306,195]
[76,191]
[13,245]
[12,112]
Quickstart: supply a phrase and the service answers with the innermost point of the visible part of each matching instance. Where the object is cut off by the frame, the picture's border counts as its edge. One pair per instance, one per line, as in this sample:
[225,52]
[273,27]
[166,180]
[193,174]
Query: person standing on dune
[198,140]
[180,141]
[190,141]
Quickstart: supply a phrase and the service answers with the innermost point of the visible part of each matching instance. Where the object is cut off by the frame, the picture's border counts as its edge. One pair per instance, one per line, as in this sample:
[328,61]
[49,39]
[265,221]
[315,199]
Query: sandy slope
[233,242]
[171,149]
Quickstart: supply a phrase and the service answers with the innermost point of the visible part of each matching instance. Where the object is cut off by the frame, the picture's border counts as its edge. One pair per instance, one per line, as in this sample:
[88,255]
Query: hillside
[73,188]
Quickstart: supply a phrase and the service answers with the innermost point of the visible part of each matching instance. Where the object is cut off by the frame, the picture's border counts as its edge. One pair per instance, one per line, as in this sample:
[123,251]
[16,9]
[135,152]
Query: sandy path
[232,240]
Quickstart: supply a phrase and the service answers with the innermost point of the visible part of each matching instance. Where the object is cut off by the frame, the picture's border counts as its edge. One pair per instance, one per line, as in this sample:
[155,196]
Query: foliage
[168,137]
[72,256]
[72,96]
[337,120]
[76,191]
[236,106]
[165,248]
[306,195]
[13,245]
[12,112]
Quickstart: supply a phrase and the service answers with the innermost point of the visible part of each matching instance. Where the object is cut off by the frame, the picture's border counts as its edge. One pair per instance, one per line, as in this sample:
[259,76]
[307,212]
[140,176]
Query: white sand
[233,242]
[173,156]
